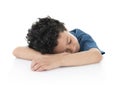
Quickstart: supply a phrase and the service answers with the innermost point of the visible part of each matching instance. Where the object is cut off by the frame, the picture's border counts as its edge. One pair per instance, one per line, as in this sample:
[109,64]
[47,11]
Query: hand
[46,63]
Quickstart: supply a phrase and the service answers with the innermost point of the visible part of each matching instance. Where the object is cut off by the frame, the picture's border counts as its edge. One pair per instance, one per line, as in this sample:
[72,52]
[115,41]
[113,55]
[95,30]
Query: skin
[67,43]
[66,54]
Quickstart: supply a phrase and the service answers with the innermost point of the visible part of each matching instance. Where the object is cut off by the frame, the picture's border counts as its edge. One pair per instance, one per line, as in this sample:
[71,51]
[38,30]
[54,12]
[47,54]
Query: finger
[35,67]
[42,68]
[33,64]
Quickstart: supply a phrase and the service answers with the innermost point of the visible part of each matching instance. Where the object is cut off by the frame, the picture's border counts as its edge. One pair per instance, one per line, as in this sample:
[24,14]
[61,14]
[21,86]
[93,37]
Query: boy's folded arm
[74,59]
[26,53]
[30,54]
[82,58]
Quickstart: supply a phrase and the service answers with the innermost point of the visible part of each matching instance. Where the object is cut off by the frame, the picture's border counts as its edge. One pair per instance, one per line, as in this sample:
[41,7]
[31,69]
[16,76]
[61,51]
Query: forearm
[30,54]
[81,58]
[26,53]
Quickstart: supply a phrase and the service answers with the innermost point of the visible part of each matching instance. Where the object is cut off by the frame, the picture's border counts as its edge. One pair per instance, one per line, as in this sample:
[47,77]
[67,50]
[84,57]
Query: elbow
[15,52]
[97,56]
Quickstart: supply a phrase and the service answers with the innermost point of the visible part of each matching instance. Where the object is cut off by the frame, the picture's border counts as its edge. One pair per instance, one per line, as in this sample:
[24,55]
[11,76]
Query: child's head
[50,36]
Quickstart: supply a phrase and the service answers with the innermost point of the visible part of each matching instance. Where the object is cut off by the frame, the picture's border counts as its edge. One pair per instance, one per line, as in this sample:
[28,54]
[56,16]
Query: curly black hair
[43,35]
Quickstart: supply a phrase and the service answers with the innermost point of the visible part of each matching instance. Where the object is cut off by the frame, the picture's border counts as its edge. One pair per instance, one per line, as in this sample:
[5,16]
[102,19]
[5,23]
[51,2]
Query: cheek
[74,40]
[60,48]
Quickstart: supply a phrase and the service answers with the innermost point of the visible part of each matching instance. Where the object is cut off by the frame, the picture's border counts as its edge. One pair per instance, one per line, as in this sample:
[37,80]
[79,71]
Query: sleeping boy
[51,45]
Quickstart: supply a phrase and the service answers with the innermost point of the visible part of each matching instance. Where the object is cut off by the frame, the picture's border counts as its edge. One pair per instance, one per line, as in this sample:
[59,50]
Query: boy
[50,46]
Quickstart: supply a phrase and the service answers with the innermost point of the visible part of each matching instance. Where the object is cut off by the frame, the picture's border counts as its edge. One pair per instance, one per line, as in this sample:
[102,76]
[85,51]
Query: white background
[99,18]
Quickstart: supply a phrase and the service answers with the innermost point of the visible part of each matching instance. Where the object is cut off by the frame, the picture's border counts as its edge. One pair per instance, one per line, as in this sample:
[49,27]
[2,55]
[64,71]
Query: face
[67,43]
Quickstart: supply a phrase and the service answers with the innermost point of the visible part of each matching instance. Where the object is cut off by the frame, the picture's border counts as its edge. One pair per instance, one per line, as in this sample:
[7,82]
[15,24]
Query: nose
[72,48]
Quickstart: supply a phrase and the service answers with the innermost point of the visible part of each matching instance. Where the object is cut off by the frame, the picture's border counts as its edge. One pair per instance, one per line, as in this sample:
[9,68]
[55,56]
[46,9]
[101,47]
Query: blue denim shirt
[85,40]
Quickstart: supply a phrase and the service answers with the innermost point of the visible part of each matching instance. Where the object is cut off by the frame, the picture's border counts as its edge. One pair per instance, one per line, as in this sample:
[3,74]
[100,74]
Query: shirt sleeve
[86,41]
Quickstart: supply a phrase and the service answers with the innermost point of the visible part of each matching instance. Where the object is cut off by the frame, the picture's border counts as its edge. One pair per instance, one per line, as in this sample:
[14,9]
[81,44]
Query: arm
[30,54]
[82,58]
[76,59]
[26,53]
